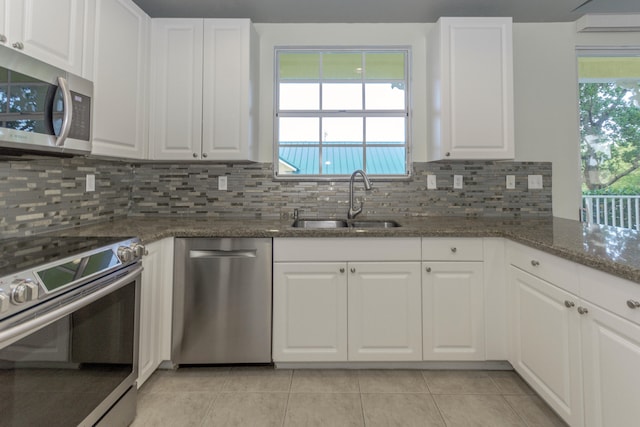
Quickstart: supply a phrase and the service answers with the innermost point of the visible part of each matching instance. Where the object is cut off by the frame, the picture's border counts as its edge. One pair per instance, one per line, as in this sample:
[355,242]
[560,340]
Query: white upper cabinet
[51,31]
[470,63]
[204,90]
[119,65]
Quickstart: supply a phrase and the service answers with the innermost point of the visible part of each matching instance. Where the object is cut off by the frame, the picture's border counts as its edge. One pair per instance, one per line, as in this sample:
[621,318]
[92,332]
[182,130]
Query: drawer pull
[454,250]
[342,270]
[353,270]
[582,310]
[633,304]
[569,304]
[428,269]
[535,263]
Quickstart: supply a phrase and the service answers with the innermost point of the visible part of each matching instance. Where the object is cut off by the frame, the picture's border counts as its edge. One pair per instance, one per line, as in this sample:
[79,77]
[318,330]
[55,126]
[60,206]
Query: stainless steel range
[69,310]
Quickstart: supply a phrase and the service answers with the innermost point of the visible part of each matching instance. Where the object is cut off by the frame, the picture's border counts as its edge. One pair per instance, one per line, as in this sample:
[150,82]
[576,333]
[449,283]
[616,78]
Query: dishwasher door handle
[220,253]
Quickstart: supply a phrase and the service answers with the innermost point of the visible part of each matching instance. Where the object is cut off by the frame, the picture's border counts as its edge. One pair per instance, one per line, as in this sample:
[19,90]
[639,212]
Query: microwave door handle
[68,111]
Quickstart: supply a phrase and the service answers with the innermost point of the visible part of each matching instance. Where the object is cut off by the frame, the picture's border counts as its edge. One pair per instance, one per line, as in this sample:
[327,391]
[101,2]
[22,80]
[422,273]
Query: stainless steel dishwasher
[222,301]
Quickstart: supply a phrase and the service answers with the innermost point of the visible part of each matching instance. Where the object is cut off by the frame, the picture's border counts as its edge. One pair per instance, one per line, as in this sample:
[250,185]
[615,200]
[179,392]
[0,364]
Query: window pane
[299,96]
[299,66]
[342,130]
[342,96]
[341,160]
[384,66]
[386,130]
[386,160]
[299,160]
[341,66]
[384,96]
[299,130]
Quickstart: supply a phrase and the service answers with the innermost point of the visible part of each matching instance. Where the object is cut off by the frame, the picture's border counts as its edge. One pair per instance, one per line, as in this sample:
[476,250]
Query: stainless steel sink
[319,223]
[374,224]
[341,223]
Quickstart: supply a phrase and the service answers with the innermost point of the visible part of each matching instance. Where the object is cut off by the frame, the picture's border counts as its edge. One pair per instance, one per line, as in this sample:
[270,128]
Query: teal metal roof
[343,160]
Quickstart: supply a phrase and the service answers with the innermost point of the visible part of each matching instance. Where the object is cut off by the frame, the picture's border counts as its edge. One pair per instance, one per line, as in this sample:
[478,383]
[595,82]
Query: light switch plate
[511,182]
[535,182]
[91,182]
[431,182]
[222,183]
[457,182]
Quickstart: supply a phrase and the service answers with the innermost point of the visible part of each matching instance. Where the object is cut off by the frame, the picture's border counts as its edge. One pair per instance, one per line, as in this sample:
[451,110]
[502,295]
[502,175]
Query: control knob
[4,302]
[125,253]
[23,290]
[139,250]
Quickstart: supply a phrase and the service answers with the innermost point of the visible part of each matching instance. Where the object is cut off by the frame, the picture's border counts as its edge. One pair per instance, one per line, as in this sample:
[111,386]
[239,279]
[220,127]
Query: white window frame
[343,113]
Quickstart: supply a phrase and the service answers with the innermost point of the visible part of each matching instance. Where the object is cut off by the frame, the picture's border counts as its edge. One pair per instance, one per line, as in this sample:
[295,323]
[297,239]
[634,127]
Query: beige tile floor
[261,396]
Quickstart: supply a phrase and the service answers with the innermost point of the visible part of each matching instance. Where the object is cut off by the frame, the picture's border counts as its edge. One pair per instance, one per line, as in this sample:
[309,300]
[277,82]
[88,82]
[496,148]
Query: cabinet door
[545,340]
[176,89]
[227,127]
[472,89]
[120,76]
[611,356]
[385,311]
[453,311]
[155,310]
[51,31]
[309,312]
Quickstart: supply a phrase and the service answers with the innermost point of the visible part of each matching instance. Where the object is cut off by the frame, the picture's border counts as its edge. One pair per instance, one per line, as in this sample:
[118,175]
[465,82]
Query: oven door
[71,363]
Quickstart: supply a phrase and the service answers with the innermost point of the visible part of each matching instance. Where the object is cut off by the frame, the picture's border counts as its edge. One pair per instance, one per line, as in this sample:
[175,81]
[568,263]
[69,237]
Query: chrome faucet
[353,211]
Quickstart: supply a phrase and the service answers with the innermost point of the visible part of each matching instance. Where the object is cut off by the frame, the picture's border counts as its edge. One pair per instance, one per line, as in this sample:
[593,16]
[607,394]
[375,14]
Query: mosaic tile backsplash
[41,194]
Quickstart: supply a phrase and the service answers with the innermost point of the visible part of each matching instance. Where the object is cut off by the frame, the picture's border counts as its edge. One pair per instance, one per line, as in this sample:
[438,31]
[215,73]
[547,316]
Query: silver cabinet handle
[68,111]
[204,155]
[342,270]
[454,250]
[447,154]
[18,45]
[428,269]
[3,38]
[195,155]
[633,304]
[535,263]
[569,304]
[353,270]
[582,310]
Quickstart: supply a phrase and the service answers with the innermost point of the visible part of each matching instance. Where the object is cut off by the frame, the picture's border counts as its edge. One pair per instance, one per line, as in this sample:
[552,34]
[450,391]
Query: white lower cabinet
[332,311]
[453,311]
[155,308]
[384,311]
[338,300]
[309,312]
[545,342]
[610,357]
[575,337]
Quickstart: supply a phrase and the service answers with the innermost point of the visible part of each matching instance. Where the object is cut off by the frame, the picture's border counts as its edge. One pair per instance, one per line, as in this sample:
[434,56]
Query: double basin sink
[343,223]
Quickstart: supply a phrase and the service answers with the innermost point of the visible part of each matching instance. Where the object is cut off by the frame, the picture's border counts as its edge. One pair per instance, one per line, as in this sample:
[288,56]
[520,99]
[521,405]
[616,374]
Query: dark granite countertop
[610,249]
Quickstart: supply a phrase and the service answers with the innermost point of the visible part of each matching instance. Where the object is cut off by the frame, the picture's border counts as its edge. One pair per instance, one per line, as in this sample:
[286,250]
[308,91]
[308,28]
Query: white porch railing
[619,211]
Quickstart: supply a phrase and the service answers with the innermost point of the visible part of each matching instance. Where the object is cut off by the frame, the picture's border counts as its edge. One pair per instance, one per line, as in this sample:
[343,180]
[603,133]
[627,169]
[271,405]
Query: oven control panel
[24,289]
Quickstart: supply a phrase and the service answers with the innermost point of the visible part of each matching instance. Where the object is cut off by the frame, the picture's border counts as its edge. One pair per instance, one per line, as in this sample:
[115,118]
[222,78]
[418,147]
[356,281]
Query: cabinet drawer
[558,271]
[612,293]
[452,249]
[346,249]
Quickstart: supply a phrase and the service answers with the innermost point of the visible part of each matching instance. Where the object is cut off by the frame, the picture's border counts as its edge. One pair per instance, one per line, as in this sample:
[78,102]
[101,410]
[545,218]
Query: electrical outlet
[457,182]
[535,182]
[431,182]
[511,182]
[222,183]
[90,182]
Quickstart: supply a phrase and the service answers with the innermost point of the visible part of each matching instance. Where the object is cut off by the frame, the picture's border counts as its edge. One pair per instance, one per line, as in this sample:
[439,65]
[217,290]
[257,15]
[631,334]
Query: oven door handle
[30,326]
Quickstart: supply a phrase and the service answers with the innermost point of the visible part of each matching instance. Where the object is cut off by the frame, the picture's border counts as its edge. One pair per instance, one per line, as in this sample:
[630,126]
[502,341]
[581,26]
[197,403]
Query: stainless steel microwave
[43,108]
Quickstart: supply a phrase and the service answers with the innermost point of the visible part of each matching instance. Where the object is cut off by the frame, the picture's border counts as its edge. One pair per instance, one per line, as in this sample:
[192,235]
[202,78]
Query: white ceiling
[383,10]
